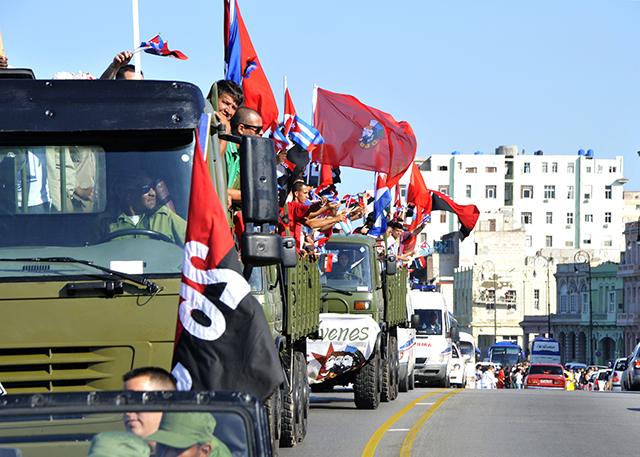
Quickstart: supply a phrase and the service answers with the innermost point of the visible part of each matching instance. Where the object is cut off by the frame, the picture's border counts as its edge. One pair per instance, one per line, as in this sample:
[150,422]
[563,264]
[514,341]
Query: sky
[468,75]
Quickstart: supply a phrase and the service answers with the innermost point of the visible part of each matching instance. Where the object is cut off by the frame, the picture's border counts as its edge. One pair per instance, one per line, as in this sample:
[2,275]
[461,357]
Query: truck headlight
[362,305]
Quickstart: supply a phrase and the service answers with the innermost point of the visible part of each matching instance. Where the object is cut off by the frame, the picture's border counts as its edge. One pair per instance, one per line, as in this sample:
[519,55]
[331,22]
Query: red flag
[358,136]
[289,112]
[326,176]
[223,341]
[417,192]
[418,214]
[467,214]
[243,65]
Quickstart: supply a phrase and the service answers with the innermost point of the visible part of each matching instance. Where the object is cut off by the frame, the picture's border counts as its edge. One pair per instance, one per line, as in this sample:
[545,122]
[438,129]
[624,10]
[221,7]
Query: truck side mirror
[391,265]
[289,254]
[260,249]
[258,180]
[415,320]
[455,336]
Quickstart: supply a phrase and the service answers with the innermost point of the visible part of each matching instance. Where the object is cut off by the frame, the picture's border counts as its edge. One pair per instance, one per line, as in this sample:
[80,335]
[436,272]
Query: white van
[407,355]
[467,346]
[433,337]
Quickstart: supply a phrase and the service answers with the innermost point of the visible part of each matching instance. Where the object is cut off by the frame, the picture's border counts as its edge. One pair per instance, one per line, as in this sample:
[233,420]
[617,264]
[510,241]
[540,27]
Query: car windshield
[347,267]
[621,365]
[70,201]
[430,322]
[505,355]
[545,369]
[466,349]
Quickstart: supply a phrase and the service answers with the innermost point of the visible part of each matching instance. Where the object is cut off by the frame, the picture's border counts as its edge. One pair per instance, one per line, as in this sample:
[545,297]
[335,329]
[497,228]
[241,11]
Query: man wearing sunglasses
[139,210]
[244,122]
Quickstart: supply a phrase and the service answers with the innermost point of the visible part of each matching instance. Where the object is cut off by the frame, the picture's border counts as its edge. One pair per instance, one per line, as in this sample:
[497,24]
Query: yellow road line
[377,436]
[405,451]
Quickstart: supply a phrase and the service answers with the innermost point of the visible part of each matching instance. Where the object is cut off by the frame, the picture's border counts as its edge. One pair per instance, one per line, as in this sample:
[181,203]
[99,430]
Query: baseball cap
[118,444]
[183,430]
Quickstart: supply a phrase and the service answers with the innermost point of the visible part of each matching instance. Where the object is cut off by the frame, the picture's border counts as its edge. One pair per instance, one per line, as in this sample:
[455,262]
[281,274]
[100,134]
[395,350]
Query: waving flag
[467,214]
[382,199]
[362,137]
[304,134]
[280,140]
[243,67]
[289,112]
[223,341]
[157,46]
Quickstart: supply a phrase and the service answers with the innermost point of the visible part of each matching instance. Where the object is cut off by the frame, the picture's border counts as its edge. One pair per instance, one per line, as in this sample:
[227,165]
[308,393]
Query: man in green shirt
[139,210]
[244,122]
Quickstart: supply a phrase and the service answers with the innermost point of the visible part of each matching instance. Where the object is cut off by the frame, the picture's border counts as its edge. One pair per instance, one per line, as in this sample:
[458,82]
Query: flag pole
[136,37]
[1,45]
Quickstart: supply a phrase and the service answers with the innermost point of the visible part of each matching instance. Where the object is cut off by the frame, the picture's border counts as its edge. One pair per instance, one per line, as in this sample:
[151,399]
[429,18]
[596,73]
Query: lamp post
[489,265]
[583,257]
[542,261]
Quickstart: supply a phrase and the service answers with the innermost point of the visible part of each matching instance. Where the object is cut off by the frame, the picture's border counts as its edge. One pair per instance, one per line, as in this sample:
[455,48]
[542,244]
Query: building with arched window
[589,298]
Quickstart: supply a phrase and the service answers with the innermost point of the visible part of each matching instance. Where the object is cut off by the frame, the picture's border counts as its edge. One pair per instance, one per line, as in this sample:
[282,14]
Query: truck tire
[273,411]
[390,367]
[295,404]
[366,386]
[403,380]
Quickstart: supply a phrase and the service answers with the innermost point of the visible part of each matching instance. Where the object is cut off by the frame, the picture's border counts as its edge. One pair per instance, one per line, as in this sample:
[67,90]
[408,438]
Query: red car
[545,376]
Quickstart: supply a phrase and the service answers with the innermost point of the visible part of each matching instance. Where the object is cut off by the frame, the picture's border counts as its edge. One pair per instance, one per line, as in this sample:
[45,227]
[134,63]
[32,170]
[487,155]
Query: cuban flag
[382,200]
[274,132]
[347,226]
[157,46]
[304,134]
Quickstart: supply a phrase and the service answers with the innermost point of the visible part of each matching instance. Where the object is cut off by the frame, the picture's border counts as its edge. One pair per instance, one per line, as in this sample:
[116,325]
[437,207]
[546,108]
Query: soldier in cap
[118,444]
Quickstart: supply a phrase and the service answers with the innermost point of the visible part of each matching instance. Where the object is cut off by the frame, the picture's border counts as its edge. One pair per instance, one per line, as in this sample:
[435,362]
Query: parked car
[545,376]
[602,379]
[619,365]
[631,375]
[458,375]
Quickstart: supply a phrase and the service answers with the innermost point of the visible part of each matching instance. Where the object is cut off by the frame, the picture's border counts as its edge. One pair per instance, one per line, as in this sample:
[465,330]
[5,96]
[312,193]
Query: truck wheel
[366,386]
[273,411]
[295,403]
[394,371]
[403,380]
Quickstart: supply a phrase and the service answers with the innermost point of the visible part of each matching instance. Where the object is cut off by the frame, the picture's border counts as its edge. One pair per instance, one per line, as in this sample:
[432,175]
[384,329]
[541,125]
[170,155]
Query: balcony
[628,319]
[630,270]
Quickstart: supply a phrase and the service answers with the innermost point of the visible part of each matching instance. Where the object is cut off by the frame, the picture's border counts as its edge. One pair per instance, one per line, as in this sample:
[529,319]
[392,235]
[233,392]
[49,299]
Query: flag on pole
[358,136]
[382,199]
[467,214]
[223,341]
[157,46]
[289,112]
[304,134]
[243,67]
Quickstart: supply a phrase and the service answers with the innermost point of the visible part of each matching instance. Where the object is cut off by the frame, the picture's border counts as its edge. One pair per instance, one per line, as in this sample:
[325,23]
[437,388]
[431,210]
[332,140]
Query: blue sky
[468,75]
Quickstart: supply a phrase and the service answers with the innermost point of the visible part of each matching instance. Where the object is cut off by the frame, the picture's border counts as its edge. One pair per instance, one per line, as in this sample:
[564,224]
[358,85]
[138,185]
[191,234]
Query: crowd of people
[490,377]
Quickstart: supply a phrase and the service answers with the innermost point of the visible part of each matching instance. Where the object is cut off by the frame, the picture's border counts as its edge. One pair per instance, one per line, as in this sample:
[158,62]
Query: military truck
[80,305]
[364,303]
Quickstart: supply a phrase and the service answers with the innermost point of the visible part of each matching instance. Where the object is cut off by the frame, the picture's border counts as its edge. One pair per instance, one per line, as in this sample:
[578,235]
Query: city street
[453,422]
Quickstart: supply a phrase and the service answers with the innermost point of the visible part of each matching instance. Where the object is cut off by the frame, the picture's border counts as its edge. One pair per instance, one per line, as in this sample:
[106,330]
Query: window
[490,192]
[468,191]
[587,192]
[599,168]
[471,169]
[527,167]
[570,168]
[612,302]
[443,218]
[491,169]
[585,300]
[536,299]
[545,167]
[549,191]
[549,217]
[549,241]
[588,217]
[510,296]
[563,303]
[442,168]
[570,193]
[554,167]
[587,238]
[612,169]
[527,218]
[568,244]
[528,241]
[588,169]
[607,218]
[443,190]
[606,241]
[573,303]
[526,191]
[569,218]
[607,192]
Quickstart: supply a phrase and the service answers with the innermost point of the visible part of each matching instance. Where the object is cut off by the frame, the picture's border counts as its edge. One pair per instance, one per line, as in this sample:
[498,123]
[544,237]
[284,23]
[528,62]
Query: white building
[562,202]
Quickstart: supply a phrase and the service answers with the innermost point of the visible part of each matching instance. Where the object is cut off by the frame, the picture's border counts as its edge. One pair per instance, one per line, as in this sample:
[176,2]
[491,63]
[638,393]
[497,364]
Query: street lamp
[489,265]
[544,262]
[583,257]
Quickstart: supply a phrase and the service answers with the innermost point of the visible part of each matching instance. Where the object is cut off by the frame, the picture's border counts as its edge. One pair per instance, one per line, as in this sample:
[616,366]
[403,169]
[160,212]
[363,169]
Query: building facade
[628,318]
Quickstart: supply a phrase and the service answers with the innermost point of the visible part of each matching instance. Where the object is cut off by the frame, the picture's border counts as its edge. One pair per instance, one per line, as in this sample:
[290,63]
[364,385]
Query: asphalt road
[453,422]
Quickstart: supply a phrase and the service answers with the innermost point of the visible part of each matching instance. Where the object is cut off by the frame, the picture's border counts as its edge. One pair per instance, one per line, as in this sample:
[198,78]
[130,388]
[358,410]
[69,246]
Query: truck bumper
[430,372]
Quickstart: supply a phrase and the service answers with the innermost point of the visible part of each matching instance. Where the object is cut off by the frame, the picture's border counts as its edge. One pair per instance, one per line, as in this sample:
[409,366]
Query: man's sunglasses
[146,188]
[255,128]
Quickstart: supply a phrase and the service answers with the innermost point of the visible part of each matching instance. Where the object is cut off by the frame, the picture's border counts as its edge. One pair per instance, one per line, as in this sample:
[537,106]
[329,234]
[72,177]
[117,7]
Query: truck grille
[28,370]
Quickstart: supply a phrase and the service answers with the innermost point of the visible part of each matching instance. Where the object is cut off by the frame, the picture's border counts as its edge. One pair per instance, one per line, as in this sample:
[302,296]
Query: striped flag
[382,199]
[304,134]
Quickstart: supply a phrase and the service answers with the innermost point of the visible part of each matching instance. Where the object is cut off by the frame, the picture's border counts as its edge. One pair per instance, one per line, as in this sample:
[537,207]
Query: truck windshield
[122,209]
[430,322]
[347,267]
[467,350]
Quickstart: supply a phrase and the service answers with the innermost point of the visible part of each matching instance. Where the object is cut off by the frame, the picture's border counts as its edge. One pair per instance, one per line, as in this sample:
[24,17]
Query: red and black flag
[223,341]
[467,214]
